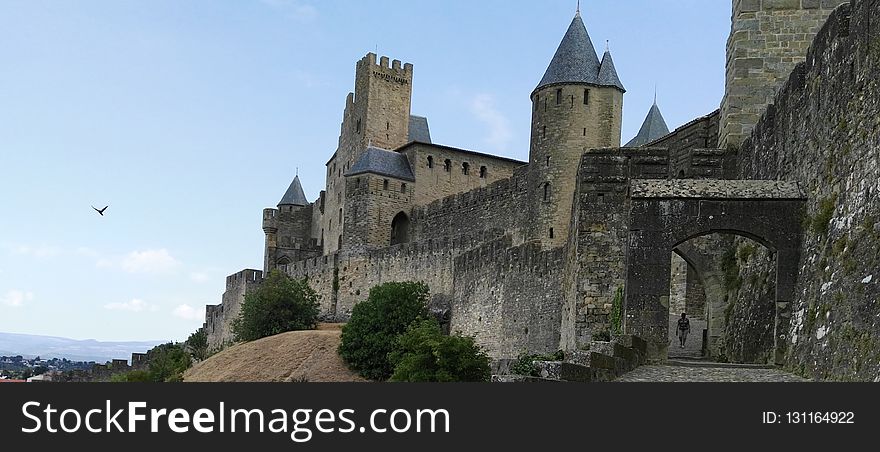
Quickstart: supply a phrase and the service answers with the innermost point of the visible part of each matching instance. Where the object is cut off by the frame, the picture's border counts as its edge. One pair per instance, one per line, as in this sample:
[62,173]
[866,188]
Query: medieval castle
[539,256]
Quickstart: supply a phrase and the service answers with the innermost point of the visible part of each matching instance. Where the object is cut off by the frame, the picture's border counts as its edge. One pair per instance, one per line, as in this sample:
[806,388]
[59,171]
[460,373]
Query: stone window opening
[447,165]
[387,125]
[547,191]
[544,132]
[586,97]
[585,131]
[430,162]
[551,233]
[465,168]
[339,246]
[483,171]
[403,188]
[357,182]
[547,162]
[357,128]
[340,215]
[600,198]
[385,184]
[330,226]
[572,101]
[558,96]
[537,100]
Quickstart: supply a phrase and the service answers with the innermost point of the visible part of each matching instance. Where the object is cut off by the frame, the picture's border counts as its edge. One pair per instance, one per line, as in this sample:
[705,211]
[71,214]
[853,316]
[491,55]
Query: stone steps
[604,361]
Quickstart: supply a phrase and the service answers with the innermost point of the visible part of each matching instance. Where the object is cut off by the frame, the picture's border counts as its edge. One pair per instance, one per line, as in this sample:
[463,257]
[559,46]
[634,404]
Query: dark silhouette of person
[684,327]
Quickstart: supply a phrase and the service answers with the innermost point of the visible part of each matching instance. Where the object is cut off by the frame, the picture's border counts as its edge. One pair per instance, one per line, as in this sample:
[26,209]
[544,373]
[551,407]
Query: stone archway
[667,213]
[400,229]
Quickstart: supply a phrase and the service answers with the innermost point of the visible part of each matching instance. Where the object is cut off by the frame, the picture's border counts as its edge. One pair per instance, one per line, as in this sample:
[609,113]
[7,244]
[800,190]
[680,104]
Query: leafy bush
[525,363]
[168,362]
[278,305]
[197,343]
[372,332]
[602,336]
[617,312]
[424,354]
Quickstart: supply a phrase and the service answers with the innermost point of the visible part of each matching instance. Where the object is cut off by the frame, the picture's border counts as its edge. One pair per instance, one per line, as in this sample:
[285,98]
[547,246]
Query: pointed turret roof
[294,195]
[608,74]
[654,127]
[576,60]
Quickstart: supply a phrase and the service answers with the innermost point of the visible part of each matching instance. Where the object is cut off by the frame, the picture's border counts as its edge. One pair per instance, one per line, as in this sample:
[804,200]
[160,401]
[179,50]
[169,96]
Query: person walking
[684,327]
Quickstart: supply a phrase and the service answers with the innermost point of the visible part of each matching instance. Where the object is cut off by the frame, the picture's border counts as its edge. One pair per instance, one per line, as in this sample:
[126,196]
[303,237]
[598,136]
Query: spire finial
[578,11]
[607,45]
[655,94]
[297,171]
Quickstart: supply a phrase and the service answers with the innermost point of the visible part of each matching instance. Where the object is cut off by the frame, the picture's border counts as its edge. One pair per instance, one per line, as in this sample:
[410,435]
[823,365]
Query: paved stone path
[693,346]
[707,372]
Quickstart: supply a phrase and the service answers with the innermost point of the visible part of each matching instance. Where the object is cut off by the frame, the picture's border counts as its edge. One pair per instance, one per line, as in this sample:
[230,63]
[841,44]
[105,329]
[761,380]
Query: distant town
[20,369]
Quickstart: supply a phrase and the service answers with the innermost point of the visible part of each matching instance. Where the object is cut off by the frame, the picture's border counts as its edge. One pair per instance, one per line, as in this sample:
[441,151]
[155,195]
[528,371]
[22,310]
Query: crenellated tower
[377,114]
[577,106]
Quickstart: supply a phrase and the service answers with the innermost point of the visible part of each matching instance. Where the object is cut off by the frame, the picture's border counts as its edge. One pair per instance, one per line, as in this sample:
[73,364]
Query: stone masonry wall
[823,131]
[434,183]
[509,298]
[767,39]
[218,318]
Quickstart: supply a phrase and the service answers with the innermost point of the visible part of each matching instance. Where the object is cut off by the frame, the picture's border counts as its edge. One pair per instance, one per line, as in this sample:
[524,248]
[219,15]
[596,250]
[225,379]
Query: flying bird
[101,211]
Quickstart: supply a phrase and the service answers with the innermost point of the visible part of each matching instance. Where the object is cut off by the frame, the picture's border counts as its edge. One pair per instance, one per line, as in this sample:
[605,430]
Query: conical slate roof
[576,61]
[608,74]
[654,127]
[294,195]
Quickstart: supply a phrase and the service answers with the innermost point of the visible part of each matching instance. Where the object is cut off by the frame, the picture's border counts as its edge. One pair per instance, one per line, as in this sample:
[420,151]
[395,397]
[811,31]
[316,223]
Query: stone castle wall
[822,132]
[768,38]
[219,318]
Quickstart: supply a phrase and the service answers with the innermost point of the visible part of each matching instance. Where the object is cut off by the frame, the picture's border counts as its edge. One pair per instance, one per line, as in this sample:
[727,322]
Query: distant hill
[75,350]
[286,357]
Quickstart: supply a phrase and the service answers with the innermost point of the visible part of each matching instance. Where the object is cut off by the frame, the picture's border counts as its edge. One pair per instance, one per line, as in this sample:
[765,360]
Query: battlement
[270,222]
[243,277]
[369,61]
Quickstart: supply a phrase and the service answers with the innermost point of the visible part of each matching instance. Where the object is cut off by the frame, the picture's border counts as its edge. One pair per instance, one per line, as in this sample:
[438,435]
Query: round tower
[577,106]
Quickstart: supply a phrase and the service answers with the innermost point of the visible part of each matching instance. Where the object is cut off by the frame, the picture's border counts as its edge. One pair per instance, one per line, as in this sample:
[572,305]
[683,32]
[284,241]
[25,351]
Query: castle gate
[664,214]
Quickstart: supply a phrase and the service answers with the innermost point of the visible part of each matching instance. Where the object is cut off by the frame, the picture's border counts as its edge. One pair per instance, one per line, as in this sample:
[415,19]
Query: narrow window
[357,182]
[483,170]
[447,165]
[537,100]
[403,188]
[430,161]
[547,163]
[385,184]
[586,97]
[340,215]
[551,233]
[387,125]
[547,191]
[558,96]
[544,133]
[585,131]
[357,128]
[572,101]
[465,168]
[330,226]
[340,242]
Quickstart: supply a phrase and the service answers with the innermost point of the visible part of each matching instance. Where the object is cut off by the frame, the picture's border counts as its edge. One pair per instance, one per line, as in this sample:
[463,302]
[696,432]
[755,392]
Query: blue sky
[188,118]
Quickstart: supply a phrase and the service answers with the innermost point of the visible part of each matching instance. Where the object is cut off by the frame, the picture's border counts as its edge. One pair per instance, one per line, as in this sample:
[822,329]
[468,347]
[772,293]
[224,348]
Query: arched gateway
[664,214]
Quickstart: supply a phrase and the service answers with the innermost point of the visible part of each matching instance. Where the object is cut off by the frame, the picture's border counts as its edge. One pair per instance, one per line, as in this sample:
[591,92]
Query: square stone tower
[767,39]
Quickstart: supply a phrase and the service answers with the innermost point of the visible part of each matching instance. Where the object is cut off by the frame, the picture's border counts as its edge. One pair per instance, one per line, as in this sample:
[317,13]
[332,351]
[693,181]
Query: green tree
[135,376]
[372,332]
[278,305]
[198,344]
[168,362]
[424,354]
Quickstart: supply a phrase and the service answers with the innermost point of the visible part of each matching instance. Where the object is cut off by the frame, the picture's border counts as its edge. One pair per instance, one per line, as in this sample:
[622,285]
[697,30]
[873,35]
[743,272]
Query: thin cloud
[135,305]
[199,277]
[498,126]
[188,312]
[38,251]
[293,9]
[143,262]
[16,298]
